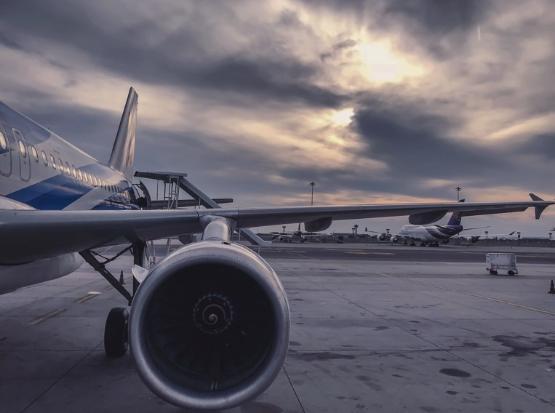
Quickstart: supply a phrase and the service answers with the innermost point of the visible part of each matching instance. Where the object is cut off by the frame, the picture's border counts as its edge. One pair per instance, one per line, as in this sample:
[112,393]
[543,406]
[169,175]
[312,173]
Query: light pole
[458,189]
[312,192]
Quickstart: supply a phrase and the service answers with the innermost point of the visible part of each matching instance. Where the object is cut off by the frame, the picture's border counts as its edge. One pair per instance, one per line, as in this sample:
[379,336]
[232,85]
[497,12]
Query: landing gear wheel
[115,332]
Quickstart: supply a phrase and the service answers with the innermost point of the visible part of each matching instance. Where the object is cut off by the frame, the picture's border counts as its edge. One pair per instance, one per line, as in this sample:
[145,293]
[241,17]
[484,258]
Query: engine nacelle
[209,326]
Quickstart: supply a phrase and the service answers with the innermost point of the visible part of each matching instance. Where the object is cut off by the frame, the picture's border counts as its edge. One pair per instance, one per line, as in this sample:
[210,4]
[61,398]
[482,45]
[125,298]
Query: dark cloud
[441,27]
[141,49]
[542,146]
[8,42]
[418,143]
[439,16]
[270,80]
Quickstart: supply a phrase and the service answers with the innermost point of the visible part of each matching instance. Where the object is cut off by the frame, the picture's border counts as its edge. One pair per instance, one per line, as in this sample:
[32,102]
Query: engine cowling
[209,326]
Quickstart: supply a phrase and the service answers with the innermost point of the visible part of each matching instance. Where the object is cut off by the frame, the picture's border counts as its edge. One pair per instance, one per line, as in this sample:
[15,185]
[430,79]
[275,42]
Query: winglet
[539,209]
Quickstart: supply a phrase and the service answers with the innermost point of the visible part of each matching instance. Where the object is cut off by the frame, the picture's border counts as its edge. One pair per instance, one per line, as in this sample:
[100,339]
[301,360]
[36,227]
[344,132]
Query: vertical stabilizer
[123,152]
[455,217]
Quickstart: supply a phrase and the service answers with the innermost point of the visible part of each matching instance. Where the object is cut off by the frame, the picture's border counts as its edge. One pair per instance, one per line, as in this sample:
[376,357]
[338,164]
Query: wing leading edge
[34,234]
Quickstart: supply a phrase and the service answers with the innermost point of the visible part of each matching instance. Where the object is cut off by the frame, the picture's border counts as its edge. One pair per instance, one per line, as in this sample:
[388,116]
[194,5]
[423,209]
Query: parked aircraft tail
[123,152]
[455,217]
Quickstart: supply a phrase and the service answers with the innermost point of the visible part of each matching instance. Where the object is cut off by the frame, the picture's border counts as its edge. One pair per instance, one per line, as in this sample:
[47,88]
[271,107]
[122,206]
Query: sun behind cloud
[379,63]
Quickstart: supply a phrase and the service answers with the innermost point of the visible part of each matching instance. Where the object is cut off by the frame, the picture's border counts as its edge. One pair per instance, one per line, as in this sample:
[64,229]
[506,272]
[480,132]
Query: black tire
[115,332]
[511,273]
[492,272]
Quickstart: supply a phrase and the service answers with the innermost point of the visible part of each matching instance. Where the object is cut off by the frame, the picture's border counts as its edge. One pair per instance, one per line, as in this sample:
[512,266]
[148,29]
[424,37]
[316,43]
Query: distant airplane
[432,235]
[510,236]
[208,325]
[295,236]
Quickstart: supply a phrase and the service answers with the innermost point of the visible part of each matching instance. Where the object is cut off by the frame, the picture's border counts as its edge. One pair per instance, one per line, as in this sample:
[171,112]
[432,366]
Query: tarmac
[375,328]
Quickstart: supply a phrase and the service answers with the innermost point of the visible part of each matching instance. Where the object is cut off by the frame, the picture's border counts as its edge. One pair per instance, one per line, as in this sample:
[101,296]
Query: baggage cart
[501,262]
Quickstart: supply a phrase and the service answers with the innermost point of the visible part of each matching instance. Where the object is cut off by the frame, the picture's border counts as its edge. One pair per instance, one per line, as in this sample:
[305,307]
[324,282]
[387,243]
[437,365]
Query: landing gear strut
[116,327]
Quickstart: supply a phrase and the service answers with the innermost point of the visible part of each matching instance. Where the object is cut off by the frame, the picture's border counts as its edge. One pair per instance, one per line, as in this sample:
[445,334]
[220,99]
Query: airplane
[382,236]
[432,235]
[298,235]
[513,235]
[208,325]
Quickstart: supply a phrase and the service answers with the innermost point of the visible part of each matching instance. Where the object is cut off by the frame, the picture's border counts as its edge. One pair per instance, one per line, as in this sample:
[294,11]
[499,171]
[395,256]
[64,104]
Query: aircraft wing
[32,234]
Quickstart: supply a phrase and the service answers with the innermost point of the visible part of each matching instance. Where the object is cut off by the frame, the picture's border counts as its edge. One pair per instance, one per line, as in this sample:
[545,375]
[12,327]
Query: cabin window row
[59,165]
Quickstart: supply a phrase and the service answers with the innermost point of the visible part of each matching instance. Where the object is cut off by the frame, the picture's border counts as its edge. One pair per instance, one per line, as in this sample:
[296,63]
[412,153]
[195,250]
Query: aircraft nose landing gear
[115,332]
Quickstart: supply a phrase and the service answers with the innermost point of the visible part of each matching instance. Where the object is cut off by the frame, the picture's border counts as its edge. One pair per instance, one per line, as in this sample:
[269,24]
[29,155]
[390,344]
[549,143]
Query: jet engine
[209,326]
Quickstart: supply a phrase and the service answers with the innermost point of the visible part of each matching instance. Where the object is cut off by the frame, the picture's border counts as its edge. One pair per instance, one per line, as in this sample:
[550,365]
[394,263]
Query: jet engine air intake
[209,326]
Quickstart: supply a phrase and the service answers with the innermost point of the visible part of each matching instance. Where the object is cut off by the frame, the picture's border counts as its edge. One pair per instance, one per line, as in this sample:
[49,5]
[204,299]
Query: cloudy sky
[375,101]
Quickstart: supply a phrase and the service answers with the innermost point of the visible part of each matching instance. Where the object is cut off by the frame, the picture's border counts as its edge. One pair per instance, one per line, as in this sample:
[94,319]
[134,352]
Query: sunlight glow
[342,117]
[379,63]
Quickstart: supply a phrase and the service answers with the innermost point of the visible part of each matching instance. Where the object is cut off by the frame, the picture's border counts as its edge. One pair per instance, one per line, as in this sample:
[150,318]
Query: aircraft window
[22,149]
[44,158]
[53,161]
[35,153]
[3,141]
